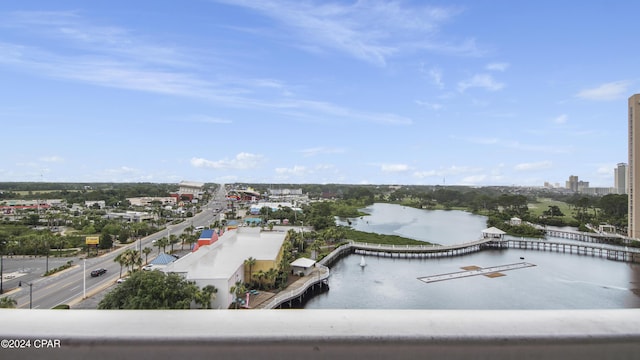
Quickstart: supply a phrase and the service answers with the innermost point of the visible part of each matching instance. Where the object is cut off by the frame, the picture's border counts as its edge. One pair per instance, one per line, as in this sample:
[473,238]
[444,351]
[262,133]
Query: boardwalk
[611,252]
[297,291]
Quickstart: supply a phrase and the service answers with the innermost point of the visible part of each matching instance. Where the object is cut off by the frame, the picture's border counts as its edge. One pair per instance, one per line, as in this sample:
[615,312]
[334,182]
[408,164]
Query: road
[73,284]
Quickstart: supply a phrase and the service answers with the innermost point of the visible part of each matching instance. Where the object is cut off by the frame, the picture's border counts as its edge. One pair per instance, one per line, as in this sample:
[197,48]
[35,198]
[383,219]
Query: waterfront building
[633,181]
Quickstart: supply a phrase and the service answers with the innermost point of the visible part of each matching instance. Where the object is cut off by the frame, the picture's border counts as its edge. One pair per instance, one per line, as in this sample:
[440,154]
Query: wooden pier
[611,252]
[475,272]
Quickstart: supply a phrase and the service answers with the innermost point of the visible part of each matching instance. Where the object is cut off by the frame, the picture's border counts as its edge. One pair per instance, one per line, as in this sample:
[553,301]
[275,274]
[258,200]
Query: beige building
[192,188]
[633,182]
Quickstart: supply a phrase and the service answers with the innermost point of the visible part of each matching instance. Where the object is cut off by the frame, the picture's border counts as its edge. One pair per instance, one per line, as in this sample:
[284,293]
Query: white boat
[362,263]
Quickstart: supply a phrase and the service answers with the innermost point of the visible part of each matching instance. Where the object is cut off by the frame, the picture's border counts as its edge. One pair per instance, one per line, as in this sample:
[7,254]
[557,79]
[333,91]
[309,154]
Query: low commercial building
[222,263]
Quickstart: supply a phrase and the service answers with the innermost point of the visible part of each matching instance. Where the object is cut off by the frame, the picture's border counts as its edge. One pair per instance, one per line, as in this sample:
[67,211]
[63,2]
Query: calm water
[558,281]
[437,227]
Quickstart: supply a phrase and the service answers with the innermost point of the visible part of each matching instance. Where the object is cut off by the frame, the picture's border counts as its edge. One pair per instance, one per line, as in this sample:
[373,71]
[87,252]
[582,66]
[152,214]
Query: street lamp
[30,292]
[1,274]
[84,279]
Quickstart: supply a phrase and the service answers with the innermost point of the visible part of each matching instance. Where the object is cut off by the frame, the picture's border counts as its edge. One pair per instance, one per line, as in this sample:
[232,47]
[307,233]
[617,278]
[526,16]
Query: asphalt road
[72,285]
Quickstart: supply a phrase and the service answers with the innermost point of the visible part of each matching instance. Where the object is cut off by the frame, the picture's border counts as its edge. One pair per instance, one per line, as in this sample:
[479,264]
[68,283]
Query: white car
[147,267]
[121,280]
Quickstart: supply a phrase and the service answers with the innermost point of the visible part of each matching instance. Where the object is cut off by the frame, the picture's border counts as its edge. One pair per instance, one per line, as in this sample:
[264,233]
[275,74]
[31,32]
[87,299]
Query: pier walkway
[488,271]
[611,252]
[299,289]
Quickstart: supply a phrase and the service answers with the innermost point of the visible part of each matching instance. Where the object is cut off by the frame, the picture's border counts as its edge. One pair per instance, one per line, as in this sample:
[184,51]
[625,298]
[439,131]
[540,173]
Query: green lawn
[543,204]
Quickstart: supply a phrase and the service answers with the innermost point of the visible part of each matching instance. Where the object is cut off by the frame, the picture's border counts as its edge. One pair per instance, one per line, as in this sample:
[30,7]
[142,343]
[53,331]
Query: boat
[362,263]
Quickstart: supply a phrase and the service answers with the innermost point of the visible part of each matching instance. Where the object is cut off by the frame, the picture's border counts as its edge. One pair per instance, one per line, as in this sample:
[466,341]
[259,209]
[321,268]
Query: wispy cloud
[561,119]
[115,57]
[296,170]
[241,161]
[533,166]
[609,91]
[321,150]
[430,105]
[450,171]
[483,81]
[434,74]
[52,159]
[497,66]
[366,30]
[394,168]
[205,119]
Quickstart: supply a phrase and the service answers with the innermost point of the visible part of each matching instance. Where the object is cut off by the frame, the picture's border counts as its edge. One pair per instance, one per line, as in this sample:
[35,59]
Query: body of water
[557,281]
[442,227]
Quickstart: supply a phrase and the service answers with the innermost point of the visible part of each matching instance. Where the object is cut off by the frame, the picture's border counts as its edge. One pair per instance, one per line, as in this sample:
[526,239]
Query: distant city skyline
[495,93]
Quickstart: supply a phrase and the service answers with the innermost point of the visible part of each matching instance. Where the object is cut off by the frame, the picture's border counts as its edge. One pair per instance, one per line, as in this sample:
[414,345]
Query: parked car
[121,280]
[98,272]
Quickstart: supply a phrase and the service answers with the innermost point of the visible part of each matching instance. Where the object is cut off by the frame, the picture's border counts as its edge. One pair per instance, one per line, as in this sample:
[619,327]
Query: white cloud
[609,91]
[533,166]
[435,75]
[321,150]
[497,66]
[432,106]
[296,170]
[562,119]
[241,161]
[450,171]
[483,81]
[366,30]
[394,167]
[208,119]
[607,169]
[473,180]
[52,159]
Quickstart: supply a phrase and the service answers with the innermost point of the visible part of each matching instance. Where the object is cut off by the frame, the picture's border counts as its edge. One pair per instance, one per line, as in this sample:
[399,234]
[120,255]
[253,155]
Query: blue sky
[359,92]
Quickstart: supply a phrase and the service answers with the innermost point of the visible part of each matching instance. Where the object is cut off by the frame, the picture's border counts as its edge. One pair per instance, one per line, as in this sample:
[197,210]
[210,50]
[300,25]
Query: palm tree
[162,243]
[146,251]
[315,247]
[173,239]
[120,259]
[271,276]
[7,302]
[206,295]
[237,290]
[260,276]
[250,262]
[192,239]
[183,238]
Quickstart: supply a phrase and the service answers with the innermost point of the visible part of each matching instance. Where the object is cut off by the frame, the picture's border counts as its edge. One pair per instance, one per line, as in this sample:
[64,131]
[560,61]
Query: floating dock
[493,271]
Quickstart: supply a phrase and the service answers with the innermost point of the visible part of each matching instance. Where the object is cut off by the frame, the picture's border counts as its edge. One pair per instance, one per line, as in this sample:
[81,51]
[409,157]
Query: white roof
[223,258]
[493,230]
[303,263]
[191,184]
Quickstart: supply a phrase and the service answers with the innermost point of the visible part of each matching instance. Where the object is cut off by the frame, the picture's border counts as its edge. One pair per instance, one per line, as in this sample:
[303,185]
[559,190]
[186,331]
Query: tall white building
[633,178]
[620,178]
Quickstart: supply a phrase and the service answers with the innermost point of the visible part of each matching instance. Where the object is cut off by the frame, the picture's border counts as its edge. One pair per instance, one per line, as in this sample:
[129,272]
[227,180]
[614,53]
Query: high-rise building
[620,178]
[572,184]
[633,179]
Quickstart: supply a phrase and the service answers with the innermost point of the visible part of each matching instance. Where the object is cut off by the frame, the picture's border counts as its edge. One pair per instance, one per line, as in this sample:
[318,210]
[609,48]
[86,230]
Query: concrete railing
[320,334]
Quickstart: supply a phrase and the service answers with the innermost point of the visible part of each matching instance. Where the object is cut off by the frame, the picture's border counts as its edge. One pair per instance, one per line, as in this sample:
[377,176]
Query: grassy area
[361,236]
[543,204]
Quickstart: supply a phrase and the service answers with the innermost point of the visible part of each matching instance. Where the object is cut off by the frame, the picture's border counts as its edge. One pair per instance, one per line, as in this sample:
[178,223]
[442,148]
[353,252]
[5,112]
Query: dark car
[98,272]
